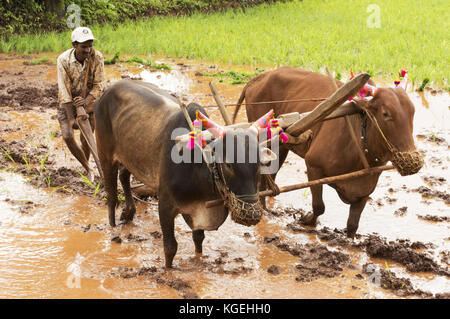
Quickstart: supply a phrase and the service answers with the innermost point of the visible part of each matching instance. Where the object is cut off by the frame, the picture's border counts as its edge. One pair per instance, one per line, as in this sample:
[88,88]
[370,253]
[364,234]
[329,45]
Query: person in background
[72,67]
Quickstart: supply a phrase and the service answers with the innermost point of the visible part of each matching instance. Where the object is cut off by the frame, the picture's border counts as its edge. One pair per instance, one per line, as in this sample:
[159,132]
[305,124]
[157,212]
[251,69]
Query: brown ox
[331,151]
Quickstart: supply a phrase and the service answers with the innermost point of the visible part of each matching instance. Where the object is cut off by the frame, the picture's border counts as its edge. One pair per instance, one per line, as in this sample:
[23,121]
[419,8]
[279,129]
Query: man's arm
[64,84]
[98,85]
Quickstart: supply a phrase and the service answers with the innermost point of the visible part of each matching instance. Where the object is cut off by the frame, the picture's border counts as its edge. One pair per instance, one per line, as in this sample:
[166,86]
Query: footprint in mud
[274,270]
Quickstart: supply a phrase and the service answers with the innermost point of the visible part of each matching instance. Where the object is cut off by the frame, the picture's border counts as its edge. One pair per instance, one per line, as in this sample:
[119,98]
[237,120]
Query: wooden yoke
[329,105]
[350,127]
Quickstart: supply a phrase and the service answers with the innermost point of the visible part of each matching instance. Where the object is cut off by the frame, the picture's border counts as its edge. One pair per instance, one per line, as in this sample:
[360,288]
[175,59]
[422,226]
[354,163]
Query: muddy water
[58,246]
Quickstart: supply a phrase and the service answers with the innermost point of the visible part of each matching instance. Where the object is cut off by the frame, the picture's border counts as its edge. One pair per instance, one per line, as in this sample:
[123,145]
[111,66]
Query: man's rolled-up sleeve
[64,87]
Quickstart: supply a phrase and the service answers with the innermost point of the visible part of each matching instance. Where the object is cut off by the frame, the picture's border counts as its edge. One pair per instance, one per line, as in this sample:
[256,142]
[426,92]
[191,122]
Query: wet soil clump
[427,192]
[402,251]
[389,281]
[315,261]
[21,157]
[434,218]
[22,94]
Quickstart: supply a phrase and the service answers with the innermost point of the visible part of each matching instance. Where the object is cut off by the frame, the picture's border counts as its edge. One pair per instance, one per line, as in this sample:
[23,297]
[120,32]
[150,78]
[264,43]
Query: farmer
[72,66]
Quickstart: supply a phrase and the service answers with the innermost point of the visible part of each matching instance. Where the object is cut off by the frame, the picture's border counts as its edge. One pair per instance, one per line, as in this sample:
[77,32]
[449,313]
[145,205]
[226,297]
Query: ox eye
[386,116]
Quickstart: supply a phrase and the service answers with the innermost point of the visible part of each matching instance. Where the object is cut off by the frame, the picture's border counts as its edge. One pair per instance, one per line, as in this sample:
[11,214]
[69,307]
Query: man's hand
[79,102]
[87,103]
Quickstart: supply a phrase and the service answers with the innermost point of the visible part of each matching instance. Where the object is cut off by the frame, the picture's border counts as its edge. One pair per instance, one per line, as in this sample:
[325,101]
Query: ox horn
[262,123]
[216,130]
[403,82]
[367,90]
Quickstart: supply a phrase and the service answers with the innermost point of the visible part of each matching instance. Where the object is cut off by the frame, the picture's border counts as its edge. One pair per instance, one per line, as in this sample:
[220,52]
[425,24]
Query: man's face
[82,50]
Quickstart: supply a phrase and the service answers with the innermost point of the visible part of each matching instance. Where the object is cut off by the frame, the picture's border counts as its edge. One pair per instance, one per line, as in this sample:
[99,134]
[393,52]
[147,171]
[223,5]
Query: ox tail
[239,103]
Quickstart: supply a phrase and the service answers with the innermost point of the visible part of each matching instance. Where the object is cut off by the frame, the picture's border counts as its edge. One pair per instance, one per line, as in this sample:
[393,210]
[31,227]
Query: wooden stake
[220,104]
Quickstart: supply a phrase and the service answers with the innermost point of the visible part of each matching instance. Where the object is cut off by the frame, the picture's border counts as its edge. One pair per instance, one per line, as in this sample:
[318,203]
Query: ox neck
[373,145]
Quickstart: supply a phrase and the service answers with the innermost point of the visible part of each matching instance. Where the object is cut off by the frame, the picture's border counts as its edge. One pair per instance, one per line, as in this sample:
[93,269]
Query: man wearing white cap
[72,66]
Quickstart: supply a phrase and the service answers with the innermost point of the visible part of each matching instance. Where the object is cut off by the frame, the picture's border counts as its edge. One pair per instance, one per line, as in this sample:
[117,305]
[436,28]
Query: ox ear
[217,130]
[267,156]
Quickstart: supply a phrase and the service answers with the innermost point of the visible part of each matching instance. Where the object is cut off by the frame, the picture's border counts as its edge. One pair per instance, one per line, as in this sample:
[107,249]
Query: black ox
[135,123]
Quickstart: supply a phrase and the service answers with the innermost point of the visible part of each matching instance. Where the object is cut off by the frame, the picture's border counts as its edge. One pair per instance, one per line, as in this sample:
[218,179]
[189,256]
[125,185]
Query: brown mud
[42,188]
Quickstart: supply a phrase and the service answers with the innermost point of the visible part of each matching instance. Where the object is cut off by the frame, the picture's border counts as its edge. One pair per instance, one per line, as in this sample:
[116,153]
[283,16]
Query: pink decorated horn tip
[190,144]
[284,137]
[367,90]
[274,123]
[352,75]
[200,116]
[269,133]
[263,121]
[402,73]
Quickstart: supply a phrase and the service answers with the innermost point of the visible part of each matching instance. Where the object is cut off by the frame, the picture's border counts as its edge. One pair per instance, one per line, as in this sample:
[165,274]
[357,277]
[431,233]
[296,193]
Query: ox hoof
[351,234]
[127,215]
[115,236]
[309,219]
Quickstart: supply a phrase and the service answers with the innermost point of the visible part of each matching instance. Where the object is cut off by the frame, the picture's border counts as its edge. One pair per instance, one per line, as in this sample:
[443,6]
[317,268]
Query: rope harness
[406,163]
[242,211]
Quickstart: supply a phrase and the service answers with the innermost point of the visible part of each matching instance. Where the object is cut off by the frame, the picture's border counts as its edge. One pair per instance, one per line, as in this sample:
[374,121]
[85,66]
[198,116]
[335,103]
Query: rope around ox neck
[242,212]
[406,163]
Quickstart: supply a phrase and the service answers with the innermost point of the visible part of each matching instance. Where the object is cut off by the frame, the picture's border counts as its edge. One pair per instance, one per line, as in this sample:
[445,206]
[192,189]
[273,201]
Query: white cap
[82,34]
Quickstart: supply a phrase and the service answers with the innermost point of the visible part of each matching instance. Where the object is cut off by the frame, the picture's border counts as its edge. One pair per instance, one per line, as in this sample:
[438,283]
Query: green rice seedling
[97,189]
[51,135]
[424,84]
[27,162]
[136,59]
[161,66]
[48,180]
[85,180]
[43,160]
[8,154]
[113,60]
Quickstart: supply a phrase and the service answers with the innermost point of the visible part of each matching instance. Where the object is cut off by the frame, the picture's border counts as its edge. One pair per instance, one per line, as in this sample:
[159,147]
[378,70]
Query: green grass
[40,61]
[310,33]
[234,77]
